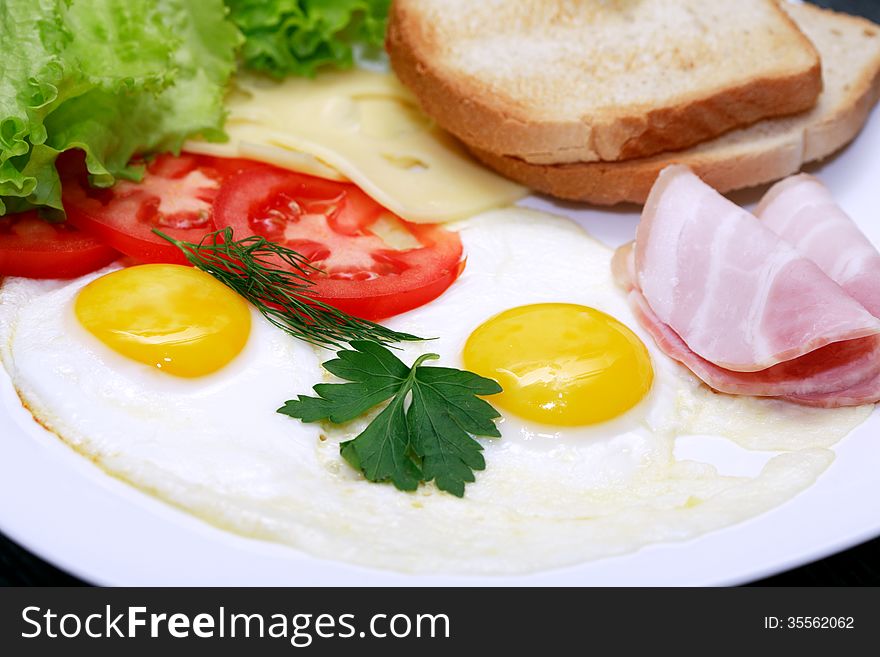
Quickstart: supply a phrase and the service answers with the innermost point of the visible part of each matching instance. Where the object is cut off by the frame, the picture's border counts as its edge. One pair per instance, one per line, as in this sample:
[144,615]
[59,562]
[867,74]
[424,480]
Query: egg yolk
[561,364]
[175,318]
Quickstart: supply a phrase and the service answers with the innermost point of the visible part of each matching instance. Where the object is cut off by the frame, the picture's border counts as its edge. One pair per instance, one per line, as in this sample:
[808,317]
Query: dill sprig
[275,280]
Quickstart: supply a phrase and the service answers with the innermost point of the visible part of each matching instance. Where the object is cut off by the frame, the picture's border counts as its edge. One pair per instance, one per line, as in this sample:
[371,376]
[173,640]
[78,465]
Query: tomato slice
[176,196]
[35,248]
[334,225]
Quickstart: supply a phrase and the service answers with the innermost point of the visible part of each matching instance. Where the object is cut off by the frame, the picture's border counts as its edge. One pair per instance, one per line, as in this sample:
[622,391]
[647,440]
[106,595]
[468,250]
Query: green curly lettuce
[298,37]
[110,77]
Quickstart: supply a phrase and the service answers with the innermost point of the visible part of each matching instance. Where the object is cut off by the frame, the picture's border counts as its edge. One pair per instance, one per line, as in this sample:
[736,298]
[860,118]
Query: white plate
[62,507]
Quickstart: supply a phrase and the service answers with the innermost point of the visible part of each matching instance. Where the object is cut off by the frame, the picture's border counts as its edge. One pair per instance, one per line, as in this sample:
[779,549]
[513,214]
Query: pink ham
[623,266]
[814,375]
[737,295]
[802,212]
[723,294]
[866,392]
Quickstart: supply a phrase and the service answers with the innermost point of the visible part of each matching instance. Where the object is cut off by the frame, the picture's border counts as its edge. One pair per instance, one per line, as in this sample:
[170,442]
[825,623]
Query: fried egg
[606,444]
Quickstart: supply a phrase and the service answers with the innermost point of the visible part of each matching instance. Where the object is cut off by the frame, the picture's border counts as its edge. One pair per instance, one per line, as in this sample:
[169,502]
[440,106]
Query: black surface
[859,566]
[867,8]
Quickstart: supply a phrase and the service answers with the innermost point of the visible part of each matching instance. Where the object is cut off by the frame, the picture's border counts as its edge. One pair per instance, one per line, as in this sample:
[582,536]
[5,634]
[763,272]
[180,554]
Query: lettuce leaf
[297,37]
[110,77]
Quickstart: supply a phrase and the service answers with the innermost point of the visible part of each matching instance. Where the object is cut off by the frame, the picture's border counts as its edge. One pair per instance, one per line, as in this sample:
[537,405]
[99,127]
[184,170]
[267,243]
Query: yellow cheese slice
[366,127]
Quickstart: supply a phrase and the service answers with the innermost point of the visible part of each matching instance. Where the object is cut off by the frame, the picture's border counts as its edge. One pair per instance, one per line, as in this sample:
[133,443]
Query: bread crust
[491,123]
[610,183]
[724,168]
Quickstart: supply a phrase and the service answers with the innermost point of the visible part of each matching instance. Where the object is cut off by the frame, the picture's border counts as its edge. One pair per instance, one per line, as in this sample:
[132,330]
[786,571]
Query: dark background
[859,566]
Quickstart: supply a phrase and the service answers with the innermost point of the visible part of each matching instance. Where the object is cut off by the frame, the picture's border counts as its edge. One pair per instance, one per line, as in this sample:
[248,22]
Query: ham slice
[738,295]
[802,212]
[816,374]
[623,266]
[866,392]
[740,306]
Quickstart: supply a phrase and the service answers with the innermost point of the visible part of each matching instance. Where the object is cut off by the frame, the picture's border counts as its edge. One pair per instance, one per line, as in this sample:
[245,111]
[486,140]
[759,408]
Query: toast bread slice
[769,150]
[553,81]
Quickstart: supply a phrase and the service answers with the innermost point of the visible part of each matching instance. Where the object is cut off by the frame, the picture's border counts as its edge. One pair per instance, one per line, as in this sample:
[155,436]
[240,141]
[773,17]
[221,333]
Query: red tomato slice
[35,248]
[330,223]
[176,196]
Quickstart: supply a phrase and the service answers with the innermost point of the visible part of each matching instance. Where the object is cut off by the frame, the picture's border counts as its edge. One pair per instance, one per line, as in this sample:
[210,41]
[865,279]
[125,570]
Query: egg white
[548,497]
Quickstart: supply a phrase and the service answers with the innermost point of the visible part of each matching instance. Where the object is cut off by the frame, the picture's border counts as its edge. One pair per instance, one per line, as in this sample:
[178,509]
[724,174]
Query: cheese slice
[366,127]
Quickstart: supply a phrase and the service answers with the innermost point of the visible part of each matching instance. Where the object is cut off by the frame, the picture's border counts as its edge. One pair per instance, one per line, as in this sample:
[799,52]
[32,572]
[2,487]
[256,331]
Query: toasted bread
[553,81]
[769,150]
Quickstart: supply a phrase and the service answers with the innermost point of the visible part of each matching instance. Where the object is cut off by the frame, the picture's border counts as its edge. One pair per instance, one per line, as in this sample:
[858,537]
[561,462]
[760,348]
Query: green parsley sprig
[275,279]
[424,433]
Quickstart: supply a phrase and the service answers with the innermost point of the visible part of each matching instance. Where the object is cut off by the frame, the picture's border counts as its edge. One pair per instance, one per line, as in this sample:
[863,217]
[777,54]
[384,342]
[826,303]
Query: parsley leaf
[431,438]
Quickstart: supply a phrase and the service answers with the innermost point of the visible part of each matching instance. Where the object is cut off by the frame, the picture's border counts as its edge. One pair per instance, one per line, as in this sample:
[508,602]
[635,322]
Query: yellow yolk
[175,318]
[560,363]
